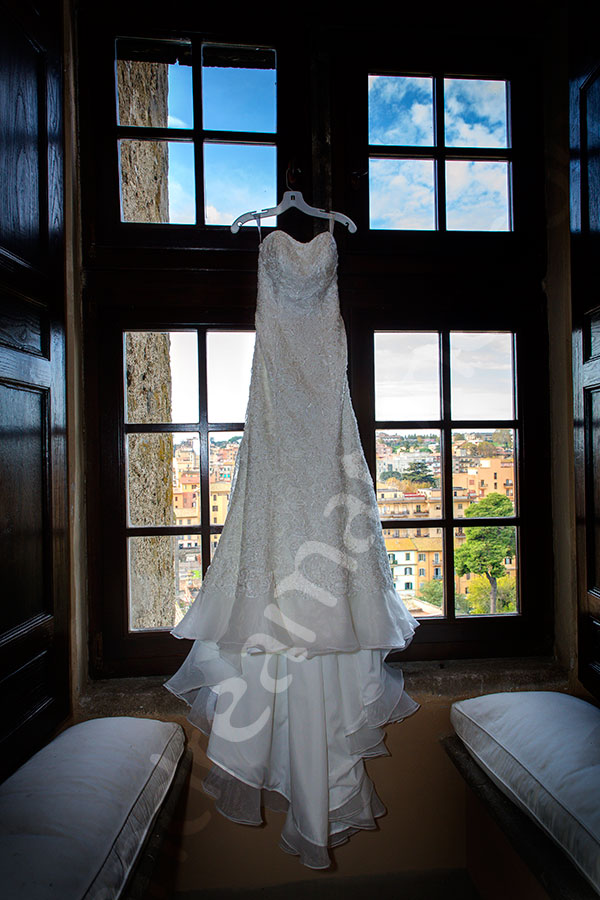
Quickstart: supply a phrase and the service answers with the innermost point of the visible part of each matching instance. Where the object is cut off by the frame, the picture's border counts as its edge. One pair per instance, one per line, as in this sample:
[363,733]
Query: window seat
[76,818]
[533,760]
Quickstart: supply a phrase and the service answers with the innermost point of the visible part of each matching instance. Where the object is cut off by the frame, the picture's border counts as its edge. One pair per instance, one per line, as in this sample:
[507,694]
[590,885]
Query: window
[444,388]
[439,153]
[169,430]
[471,411]
[179,144]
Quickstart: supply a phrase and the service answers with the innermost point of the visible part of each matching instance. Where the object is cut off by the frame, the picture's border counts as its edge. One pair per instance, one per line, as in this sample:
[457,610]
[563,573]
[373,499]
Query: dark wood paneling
[23,325]
[585,251]
[23,503]
[590,103]
[20,113]
[34,599]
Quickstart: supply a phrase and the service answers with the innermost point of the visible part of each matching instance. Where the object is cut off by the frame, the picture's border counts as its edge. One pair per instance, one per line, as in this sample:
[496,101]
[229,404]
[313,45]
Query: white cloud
[475,113]
[174,122]
[182,204]
[481,366]
[407,375]
[401,194]
[400,110]
[477,195]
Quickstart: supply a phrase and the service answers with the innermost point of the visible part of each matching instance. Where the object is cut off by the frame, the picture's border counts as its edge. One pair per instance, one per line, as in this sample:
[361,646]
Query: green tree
[485,448]
[479,595]
[485,547]
[432,592]
[503,437]
[420,473]
[385,476]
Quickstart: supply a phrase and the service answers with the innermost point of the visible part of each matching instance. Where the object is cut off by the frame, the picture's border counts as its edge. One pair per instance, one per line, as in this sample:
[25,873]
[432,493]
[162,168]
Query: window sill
[425,681]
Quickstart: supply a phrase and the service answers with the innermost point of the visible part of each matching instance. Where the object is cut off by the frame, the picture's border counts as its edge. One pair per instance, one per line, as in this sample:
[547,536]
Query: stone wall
[143,100]
[152,570]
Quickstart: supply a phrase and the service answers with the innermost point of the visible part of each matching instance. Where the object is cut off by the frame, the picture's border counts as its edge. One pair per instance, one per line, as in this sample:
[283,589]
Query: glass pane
[485,564]
[157,182]
[401,194]
[223,450]
[186,479]
[154,83]
[408,474]
[400,110]
[475,113]
[239,89]
[407,375]
[238,178]
[477,195]
[165,572]
[214,542]
[161,376]
[483,464]
[228,365]
[482,375]
[417,569]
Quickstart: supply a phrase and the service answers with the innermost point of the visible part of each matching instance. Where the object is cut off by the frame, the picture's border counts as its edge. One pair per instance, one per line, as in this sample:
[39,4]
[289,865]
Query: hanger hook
[292,173]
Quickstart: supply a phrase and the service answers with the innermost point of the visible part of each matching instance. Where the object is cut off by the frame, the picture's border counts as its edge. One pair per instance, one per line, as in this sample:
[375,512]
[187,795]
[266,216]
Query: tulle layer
[291,734]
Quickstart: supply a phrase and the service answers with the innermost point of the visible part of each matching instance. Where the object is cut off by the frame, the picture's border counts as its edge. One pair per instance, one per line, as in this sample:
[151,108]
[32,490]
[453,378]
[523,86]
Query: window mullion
[204,450]
[440,172]
[198,132]
[448,498]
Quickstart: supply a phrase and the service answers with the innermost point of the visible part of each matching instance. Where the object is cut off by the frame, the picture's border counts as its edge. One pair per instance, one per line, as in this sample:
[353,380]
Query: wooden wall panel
[34,577]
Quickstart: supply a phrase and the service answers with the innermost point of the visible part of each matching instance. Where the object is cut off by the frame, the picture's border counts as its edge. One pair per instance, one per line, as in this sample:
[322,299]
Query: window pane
[485,564]
[186,479]
[157,182]
[238,89]
[223,450]
[477,195]
[407,375]
[483,463]
[154,83]
[475,113]
[229,364]
[400,110]
[482,375]
[416,562]
[165,572]
[238,178]
[401,194]
[161,376]
[408,474]
[214,542]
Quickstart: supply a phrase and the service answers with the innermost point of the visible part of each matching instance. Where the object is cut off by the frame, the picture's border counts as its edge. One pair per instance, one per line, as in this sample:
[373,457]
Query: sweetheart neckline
[294,241]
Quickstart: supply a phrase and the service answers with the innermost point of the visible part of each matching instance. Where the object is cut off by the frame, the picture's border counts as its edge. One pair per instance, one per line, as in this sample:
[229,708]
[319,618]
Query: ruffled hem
[298,739]
[243,803]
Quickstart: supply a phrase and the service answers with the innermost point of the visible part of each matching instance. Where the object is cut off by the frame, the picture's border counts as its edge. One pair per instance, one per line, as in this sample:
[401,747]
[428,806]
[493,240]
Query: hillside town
[408,488]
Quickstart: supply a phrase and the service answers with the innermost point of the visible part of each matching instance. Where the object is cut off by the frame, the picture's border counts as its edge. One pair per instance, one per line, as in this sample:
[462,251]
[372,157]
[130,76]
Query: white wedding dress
[298,609]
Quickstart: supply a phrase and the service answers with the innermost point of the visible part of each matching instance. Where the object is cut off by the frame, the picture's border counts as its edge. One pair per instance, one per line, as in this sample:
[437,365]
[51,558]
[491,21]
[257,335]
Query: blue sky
[402,191]
[239,178]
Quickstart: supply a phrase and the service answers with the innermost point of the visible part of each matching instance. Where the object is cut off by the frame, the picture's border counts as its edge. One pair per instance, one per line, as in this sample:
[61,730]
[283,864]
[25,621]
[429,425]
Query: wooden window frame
[153,277]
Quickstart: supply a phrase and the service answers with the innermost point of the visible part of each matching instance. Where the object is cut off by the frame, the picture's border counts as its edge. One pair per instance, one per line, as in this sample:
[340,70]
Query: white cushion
[73,818]
[542,749]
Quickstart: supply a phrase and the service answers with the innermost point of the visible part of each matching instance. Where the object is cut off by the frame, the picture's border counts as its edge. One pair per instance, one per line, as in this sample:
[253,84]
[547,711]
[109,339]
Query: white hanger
[289,199]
